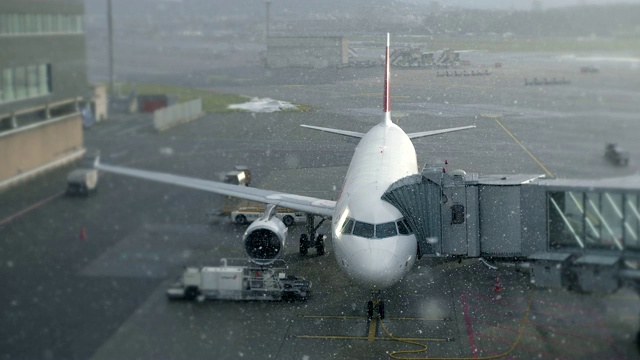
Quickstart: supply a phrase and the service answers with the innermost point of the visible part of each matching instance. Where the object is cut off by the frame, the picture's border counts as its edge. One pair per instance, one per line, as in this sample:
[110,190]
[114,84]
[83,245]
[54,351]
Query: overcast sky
[520,4]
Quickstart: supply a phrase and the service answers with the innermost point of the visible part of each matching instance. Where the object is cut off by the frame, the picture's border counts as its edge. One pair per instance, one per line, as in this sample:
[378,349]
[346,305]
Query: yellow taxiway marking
[379,338]
[497,117]
[346,317]
[373,325]
[420,319]
[373,328]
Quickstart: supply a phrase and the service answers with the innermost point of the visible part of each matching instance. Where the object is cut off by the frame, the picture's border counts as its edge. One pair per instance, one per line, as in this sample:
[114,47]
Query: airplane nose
[376,267]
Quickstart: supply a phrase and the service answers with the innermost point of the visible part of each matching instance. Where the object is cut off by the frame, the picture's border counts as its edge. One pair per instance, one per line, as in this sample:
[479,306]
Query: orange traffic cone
[83,233]
[496,287]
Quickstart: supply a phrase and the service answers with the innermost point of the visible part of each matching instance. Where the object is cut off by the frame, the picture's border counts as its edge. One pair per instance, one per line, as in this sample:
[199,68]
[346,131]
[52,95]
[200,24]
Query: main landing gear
[375,305]
[310,239]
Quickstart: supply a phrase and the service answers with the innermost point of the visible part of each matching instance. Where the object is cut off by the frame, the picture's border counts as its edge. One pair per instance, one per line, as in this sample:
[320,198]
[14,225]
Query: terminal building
[43,82]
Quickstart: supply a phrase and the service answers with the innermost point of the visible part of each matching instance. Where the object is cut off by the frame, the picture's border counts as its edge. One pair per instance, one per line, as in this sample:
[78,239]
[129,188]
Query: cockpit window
[386,230]
[347,227]
[402,228]
[375,231]
[363,229]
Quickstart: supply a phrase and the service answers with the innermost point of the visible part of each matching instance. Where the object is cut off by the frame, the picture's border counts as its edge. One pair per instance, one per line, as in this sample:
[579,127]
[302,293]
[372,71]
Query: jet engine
[264,240]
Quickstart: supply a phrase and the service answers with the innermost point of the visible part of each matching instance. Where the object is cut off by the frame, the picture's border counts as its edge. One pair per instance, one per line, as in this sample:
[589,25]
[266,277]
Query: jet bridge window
[364,230]
[386,230]
[457,214]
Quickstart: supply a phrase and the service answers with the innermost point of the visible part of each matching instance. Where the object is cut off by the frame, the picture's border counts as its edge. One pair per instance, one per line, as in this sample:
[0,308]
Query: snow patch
[263,105]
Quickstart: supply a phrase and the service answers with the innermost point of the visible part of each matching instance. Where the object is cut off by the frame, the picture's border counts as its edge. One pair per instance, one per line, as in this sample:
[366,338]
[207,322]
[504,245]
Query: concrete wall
[166,118]
[308,51]
[32,147]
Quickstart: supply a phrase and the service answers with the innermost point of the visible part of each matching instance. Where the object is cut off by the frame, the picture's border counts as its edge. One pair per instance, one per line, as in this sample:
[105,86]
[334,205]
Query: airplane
[372,242]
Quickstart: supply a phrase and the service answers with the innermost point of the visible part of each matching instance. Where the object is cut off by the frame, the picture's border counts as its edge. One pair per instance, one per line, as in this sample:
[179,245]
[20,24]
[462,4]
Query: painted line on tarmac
[373,326]
[342,317]
[467,320]
[523,147]
[40,203]
[379,338]
[347,317]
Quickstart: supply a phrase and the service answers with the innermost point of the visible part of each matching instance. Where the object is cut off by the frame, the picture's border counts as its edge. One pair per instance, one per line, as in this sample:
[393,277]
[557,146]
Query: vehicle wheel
[320,245]
[304,244]
[381,310]
[241,219]
[288,220]
[191,293]
[370,310]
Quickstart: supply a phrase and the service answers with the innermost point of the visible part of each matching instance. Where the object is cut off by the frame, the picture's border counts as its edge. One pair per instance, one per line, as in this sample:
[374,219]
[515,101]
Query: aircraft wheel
[381,310]
[304,244]
[370,310]
[191,293]
[288,220]
[320,245]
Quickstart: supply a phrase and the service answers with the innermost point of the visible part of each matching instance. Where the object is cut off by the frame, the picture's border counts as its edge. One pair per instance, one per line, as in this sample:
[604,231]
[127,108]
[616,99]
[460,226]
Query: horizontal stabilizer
[438,132]
[352,134]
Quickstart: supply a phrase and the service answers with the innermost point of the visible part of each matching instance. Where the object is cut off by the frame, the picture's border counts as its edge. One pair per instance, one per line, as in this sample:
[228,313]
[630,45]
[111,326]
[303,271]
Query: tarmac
[85,278]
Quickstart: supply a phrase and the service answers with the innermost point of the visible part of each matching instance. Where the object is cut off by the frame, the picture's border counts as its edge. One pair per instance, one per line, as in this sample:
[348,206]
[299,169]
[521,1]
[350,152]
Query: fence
[166,118]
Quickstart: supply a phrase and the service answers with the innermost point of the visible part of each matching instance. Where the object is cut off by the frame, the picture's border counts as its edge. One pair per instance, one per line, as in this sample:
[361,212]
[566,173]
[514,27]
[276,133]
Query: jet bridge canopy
[559,226]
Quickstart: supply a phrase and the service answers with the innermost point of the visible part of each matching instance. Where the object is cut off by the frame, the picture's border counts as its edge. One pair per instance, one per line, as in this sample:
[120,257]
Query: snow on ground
[264,105]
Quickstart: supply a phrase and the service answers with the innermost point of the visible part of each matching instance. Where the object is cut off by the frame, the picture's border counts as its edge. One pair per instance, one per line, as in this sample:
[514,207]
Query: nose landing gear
[310,239]
[375,305]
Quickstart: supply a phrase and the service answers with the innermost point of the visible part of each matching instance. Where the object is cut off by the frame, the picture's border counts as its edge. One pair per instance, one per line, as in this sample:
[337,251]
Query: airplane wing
[438,132]
[301,203]
[336,131]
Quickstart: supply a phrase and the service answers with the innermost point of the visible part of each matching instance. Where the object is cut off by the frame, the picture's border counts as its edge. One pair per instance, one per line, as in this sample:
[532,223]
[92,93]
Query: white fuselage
[378,260]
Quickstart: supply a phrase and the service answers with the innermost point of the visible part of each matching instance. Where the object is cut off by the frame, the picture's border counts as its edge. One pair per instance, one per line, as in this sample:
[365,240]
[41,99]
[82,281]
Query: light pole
[268,3]
[110,34]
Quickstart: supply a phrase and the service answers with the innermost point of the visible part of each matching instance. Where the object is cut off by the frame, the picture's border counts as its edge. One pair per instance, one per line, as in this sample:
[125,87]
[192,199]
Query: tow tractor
[240,282]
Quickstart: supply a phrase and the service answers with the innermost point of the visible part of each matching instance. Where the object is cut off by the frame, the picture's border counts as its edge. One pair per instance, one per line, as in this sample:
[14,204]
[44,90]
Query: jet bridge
[573,233]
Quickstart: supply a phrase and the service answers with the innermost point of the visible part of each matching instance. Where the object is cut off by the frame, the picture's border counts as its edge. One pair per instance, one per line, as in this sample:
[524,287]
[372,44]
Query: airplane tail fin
[386,106]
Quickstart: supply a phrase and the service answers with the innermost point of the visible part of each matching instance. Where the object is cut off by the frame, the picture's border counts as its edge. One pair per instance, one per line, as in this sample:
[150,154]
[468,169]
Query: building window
[47,24]
[25,82]
[20,82]
[44,76]
[7,85]
[32,80]
[33,24]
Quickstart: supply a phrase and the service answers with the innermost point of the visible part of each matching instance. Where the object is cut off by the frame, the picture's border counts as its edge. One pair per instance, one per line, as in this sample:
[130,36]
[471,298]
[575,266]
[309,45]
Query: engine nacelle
[264,240]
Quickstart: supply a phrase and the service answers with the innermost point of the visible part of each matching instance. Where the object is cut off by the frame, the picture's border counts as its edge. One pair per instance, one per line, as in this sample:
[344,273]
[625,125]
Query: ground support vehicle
[251,211]
[82,182]
[240,176]
[244,282]
[616,154]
